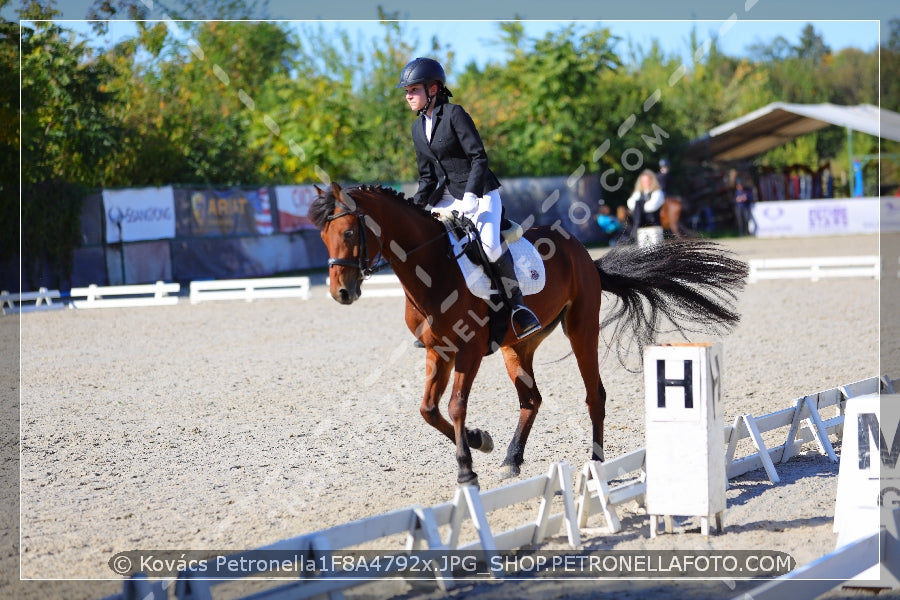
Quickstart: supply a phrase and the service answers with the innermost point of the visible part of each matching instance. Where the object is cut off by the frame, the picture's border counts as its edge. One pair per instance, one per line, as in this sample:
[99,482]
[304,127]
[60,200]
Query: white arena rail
[595,494]
[814,268]
[474,505]
[417,522]
[378,286]
[119,296]
[421,526]
[249,289]
[806,424]
[20,303]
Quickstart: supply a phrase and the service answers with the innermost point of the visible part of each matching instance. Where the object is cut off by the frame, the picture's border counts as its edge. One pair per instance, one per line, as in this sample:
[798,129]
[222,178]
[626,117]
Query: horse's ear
[344,197]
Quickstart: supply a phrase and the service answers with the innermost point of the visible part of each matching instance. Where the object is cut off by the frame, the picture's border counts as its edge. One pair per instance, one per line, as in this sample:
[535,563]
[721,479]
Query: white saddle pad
[529,268]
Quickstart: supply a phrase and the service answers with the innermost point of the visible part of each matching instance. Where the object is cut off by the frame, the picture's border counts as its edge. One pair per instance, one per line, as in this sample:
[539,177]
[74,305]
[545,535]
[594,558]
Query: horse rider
[454,175]
[645,202]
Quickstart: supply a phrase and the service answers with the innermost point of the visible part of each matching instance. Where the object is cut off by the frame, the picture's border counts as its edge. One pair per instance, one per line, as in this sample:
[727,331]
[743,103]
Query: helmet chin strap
[428,99]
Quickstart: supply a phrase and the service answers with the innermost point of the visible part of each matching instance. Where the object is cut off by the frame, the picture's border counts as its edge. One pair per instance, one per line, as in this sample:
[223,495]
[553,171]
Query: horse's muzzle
[344,296]
[344,293]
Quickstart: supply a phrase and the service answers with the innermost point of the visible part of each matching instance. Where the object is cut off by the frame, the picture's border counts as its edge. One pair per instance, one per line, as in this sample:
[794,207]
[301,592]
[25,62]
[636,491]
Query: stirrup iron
[530,325]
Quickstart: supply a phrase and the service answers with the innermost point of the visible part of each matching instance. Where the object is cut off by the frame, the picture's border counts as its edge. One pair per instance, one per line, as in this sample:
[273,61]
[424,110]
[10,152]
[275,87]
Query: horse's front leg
[464,376]
[438,369]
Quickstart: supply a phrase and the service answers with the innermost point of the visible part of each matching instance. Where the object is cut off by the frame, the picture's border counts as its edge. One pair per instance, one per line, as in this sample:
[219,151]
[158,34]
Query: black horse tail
[681,285]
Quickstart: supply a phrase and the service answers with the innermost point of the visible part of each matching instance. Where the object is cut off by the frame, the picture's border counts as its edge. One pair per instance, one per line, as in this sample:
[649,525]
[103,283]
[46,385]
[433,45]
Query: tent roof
[780,122]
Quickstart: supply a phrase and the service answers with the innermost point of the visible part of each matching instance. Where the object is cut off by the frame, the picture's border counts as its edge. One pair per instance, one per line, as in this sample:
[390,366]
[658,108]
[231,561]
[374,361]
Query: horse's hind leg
[520,367]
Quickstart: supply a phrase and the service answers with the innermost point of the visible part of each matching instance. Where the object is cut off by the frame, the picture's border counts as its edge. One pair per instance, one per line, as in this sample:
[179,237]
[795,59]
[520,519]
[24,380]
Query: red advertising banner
[293,207]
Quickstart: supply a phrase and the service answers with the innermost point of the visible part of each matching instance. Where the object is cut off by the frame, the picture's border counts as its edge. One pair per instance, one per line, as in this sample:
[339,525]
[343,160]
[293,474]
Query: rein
[363,264]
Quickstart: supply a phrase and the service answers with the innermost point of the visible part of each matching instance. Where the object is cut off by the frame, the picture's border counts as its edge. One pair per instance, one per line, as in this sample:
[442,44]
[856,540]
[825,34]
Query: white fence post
[595,494]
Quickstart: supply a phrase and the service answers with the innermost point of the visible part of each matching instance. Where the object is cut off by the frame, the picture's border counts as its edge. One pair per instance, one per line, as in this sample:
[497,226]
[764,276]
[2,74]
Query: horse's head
[373,228]
[338,217]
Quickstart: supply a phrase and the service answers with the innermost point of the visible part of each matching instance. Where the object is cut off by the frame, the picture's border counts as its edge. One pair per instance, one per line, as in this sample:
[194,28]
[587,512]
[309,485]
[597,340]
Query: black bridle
[363,264]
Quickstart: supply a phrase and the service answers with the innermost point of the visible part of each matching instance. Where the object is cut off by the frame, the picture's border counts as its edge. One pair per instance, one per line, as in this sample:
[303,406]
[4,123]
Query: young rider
[454,174]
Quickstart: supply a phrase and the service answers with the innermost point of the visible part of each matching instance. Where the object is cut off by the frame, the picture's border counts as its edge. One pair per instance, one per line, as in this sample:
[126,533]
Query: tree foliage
[224,102]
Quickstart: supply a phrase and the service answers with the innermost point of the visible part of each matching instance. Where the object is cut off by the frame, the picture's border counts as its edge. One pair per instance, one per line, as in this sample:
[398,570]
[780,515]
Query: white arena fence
[155,294]
[814,268]
[600,488]
[250,289]
[30,301]
[376,286]
[123,296]
[819,576]
[386,285]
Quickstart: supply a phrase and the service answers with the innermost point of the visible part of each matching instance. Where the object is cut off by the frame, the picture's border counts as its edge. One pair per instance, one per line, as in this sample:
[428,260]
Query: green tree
[812,45]
[539,112]
[65,132]
[890,66]
[188,106]
[9,139]
[66,139]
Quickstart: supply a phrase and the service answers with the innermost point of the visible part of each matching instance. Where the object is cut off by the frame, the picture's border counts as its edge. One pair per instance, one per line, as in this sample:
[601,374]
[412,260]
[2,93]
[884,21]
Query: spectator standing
[743,203]
[645,201]
[663,176]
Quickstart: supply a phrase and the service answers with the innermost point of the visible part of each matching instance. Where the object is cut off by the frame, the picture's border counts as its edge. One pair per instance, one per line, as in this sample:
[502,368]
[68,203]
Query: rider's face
[415,96]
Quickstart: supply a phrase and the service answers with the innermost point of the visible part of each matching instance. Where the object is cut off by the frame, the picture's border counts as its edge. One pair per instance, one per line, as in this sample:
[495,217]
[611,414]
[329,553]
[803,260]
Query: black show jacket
[454,159]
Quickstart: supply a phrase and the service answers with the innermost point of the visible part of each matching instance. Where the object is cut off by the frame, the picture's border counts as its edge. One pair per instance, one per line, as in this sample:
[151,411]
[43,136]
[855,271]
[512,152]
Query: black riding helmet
[424,70]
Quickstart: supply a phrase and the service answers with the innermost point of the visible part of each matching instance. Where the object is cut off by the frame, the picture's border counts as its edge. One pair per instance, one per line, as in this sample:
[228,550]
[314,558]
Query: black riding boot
[523,320]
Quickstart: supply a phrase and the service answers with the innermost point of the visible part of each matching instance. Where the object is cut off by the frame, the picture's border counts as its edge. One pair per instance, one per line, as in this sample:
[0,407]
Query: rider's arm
[632,199]
[655,201]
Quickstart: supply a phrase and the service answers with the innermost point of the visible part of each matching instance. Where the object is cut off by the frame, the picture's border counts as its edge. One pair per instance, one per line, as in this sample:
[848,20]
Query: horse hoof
[472,482]
[509,471]
[487,443]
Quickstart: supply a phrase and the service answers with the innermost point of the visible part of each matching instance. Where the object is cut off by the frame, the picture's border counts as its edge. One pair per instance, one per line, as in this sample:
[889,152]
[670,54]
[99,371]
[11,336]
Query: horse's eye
[348,234]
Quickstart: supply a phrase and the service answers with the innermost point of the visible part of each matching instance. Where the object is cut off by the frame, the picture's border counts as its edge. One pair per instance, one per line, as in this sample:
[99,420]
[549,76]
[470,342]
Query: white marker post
[685,442]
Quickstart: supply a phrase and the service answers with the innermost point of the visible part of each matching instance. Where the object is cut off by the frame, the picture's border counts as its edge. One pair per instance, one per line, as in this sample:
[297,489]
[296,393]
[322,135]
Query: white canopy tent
[780,122]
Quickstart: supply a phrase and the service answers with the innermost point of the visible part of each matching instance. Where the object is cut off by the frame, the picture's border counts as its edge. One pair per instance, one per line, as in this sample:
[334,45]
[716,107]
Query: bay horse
[676,283]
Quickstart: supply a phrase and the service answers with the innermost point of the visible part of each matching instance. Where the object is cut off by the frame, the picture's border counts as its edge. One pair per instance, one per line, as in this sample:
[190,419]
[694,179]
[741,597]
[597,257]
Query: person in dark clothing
[743,204]
[663,176]
[645,202]
[454,174]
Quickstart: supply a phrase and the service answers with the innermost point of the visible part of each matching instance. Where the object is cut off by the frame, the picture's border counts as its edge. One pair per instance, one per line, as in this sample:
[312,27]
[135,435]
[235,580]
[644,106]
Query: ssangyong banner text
[139,214]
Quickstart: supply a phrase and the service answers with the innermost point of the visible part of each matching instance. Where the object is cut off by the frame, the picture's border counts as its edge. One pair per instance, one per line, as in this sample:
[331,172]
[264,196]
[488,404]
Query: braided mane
[323,205]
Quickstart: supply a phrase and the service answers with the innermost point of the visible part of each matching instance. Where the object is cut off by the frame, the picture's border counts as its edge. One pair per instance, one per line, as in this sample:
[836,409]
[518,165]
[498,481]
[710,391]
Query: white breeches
[486,218]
